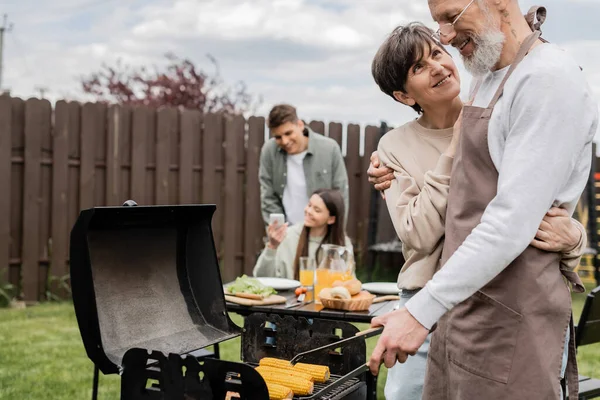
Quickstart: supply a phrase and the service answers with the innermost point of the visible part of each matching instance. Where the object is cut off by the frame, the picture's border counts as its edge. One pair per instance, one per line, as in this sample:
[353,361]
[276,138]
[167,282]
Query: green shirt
[324,168]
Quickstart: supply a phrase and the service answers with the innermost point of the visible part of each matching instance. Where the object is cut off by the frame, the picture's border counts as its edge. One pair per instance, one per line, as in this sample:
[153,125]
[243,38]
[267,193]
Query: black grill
[147,291]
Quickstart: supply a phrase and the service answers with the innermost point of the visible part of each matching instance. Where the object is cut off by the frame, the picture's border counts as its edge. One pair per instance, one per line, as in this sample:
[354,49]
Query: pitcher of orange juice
[333,267]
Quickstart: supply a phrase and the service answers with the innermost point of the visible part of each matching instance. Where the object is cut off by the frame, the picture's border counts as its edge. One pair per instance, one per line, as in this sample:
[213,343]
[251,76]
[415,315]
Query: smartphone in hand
[279,218]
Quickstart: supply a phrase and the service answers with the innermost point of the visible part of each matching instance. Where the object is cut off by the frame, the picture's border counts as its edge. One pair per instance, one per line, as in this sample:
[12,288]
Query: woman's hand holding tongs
[402,336]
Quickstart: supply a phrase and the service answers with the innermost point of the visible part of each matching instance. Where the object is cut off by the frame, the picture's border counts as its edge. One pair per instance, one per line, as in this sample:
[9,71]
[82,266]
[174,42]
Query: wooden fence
[56,162]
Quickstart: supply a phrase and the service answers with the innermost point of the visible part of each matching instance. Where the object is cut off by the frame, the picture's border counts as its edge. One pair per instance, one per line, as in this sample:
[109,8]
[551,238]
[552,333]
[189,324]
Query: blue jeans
[565,358]
[405,381]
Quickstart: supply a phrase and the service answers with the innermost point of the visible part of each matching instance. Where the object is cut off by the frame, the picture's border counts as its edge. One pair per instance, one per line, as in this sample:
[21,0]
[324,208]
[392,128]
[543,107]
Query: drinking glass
[308,266]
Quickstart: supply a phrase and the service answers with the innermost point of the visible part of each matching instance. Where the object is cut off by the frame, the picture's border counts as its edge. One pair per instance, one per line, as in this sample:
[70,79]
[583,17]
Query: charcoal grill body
[147,277]
[263,336]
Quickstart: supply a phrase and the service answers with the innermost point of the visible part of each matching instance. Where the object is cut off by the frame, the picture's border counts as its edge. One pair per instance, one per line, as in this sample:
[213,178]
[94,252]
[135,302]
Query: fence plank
[335,132]
[74,138]
[197,160]
[88,154]
[31,209]
[150,167]
[100,155]
[254,230]
[45,196]
[190,127]
[174,156]
[385,227]
[166,127]
[234,130]
[240,203]
[139,152]
[17,189]
[5,183]
[60,188]
[317,126]
[212,156]
[113,156]
[125,152]
[371,140]
[353,168]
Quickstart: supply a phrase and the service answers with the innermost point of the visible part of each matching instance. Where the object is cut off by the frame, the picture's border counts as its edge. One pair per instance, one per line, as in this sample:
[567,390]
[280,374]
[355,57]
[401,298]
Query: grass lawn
[42,356]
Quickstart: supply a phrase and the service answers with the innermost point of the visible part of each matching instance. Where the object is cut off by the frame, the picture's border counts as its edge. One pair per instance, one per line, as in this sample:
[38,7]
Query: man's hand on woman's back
[379,175]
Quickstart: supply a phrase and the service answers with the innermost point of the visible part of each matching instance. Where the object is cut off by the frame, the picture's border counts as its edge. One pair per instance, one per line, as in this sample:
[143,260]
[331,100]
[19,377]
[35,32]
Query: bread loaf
[353,285]
[325,293]
[340,292]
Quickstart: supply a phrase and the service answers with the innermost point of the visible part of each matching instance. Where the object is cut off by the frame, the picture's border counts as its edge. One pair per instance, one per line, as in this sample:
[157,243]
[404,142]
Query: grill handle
[367,333]
[333,385]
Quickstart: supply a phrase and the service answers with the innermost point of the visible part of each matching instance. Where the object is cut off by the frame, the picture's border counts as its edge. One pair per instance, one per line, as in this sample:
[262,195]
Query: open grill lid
[147,277]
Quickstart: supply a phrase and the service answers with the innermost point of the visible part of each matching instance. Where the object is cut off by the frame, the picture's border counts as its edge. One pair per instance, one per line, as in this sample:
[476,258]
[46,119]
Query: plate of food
[381,287]
[279,283]
[251,291]
[250,286]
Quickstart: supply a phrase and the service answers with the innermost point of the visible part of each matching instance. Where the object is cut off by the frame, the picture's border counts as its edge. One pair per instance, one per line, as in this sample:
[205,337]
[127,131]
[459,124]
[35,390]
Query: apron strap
[573,278]
[571,373]
[540,13]
[475,89]
[525,47]
[530,17]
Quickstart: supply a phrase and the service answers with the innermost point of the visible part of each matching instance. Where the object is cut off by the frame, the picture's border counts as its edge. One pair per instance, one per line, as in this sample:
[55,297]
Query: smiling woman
[323,224]
[415,69]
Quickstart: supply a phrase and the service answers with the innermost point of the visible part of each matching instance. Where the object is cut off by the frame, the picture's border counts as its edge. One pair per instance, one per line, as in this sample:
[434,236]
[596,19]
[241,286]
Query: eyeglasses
[446,29]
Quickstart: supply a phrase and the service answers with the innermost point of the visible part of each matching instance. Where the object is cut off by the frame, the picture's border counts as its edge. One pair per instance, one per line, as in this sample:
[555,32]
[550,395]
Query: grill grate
[336,393]
[339,392]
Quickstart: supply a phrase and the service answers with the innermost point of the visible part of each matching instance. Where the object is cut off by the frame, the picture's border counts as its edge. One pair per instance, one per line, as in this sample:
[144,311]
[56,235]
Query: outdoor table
[314,310]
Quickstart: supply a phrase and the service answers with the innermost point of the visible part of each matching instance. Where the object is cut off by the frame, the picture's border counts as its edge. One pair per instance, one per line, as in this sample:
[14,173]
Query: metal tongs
[352,374]
[367,333]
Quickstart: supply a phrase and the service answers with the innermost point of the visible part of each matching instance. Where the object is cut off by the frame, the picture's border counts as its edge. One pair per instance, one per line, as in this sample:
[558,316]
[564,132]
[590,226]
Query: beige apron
[507,340]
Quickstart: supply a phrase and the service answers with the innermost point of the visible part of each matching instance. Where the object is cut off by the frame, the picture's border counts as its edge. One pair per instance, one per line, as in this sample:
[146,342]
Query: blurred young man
[294,163]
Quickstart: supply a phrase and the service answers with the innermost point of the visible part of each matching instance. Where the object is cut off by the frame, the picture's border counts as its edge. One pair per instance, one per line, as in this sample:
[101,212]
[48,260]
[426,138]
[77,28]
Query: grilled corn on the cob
[278,392]
[298,385]
[320,373]
[286,371]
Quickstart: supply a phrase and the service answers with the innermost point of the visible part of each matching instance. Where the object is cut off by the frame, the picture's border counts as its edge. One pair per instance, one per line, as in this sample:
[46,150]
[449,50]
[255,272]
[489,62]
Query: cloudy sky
[315,54]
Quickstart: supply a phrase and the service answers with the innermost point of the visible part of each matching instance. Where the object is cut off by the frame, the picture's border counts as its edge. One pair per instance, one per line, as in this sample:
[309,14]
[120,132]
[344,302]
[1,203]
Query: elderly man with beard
[502,308]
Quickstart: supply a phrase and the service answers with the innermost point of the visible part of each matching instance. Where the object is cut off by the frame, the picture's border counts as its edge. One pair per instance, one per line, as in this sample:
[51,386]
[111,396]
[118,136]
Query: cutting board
[272,299]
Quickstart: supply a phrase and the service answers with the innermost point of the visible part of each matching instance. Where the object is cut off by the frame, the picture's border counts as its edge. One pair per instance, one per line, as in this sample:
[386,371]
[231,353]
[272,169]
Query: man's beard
[488,48]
